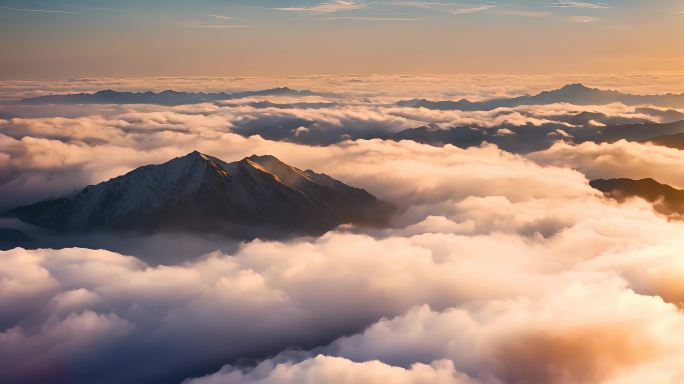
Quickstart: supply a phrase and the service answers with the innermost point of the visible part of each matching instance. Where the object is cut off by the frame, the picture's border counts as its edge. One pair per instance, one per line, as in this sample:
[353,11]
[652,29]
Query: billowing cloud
[466,209]
[498,268]
[329,369]
[583,334]
[48,155]
[620,159]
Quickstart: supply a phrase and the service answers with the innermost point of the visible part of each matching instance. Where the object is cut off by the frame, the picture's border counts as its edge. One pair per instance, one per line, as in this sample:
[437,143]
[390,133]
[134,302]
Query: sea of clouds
[499,268]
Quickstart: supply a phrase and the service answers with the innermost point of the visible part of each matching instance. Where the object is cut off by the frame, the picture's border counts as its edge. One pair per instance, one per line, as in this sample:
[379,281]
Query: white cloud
[329,369]
[499,269]
[620,159]
[597,333]
[467,209]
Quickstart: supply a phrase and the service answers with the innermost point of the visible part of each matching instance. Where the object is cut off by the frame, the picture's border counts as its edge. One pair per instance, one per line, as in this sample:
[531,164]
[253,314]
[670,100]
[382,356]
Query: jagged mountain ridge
[258,196]
[577,94]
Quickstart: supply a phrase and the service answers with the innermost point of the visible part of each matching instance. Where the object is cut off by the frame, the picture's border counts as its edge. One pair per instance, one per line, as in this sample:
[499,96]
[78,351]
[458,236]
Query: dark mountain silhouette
[630,132]
[675,140]
[258,196]
[577,94]
[666,199]
[168,97]
[12,238]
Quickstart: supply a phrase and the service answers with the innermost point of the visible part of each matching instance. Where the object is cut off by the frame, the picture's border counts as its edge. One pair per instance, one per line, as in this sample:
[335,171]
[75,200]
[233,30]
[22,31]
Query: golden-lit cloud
[497,268]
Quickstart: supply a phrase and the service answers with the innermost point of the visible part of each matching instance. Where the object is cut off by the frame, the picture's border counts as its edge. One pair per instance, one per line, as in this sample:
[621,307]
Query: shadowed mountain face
[666,199]
[11,238]
[577,94]
[258,196]
[675,140]
[163,98]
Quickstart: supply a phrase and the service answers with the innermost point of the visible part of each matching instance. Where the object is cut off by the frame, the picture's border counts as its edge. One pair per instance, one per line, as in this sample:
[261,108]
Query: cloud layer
[80,314]
[500,268]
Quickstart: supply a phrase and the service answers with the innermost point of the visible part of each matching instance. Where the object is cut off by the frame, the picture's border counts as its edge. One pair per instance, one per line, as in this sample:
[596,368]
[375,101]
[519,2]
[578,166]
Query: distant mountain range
[529,138]
[168,97]
[575,128]
[258,196]
[577,94]
[666,199]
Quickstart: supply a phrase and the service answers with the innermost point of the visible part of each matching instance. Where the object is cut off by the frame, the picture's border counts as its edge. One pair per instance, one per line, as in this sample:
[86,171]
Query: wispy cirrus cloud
[218,26]
[525,13]
[332,7]
[221,17]
[452,8]
[369,18]
[584,19]
[579,4]
[37,10]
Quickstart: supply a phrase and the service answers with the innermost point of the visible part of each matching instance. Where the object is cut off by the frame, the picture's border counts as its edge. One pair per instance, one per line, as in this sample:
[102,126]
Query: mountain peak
[194,154]
[256,196]
[281,172]
[266,160]
[190,157]
[575,87]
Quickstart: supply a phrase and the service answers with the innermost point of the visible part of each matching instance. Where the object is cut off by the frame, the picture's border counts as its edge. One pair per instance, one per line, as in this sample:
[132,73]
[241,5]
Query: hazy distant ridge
[167,97]
[577,94]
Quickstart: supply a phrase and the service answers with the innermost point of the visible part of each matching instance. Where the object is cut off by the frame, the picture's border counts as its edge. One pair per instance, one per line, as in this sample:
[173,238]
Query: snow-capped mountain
[256,196]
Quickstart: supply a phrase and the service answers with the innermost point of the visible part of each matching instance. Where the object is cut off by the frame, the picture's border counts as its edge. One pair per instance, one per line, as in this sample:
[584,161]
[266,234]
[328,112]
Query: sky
[61,39]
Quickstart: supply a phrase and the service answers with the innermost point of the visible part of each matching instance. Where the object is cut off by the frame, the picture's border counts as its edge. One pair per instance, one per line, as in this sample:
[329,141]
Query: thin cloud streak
[37,10]
[221,17]
[368,18]
[218,26]
[452,8]
[525,13]
[584,19]
[579,4]
[338,6]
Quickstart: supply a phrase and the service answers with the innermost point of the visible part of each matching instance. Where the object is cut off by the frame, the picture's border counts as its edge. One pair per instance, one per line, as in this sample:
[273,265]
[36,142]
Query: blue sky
[61,38]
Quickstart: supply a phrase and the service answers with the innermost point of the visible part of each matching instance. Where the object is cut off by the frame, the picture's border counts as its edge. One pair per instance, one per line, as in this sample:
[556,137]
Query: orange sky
[264,37]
